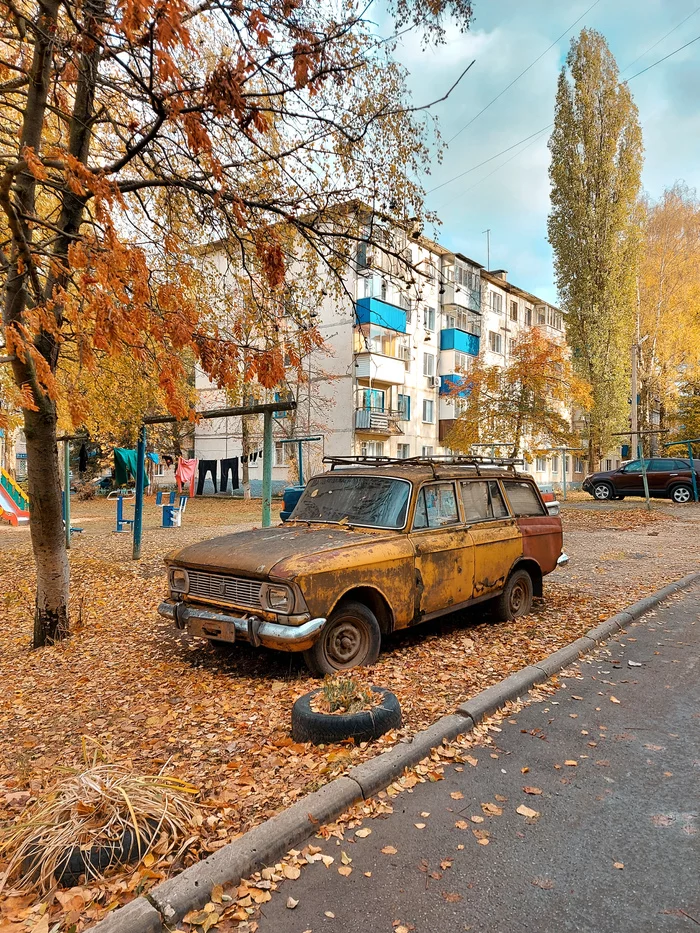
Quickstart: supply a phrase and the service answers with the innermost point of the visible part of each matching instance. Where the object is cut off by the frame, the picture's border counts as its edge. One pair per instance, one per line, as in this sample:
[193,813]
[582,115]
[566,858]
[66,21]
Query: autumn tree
[132,133]
[524,406]
[668,310]
[597,153]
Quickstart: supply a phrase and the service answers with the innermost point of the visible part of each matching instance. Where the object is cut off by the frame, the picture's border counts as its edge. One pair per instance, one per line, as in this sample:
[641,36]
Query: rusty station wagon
[373,546]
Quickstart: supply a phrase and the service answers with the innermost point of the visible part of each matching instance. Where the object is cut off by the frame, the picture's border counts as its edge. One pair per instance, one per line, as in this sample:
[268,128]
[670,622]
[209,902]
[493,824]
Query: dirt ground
[156,698]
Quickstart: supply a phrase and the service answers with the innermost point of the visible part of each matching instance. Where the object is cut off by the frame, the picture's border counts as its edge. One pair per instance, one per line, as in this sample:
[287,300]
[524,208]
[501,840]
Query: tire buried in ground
[327,728]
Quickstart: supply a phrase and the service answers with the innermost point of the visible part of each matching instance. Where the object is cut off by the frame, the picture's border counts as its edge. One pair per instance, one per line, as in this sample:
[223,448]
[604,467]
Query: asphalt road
[631,800]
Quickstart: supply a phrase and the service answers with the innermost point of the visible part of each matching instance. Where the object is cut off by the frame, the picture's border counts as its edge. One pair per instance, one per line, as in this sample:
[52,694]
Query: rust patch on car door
[497,545]
[445,568]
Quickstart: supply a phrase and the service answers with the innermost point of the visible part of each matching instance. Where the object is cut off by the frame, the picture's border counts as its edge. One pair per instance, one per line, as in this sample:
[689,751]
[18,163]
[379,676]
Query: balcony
[454,385]
[378,368]
[375,421]
[376,311]
[452,338]
[458,296]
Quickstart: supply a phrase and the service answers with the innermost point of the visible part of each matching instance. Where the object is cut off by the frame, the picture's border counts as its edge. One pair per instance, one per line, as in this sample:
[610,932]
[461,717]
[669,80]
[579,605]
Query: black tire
[325,729]
[603,492]
[516,598]
[682,494]
[350,638]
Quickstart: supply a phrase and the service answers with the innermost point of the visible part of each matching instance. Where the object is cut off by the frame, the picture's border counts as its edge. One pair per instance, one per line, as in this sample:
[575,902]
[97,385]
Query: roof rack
[432,462]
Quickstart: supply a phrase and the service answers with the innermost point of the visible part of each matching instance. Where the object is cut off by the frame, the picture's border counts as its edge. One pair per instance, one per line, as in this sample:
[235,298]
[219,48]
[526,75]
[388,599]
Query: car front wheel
[516,598]
[350,638]
[682,494]
[603,491]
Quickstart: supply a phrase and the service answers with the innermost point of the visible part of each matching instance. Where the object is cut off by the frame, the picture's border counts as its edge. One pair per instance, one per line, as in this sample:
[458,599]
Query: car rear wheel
[350,638]
[516,598]
[603,492]
[681,494]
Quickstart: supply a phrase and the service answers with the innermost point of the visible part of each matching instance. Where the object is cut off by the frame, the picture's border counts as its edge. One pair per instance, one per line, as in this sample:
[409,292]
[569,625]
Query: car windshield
[376,501]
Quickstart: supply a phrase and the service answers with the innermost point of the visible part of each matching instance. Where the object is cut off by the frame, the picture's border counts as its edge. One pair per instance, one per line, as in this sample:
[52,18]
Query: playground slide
[13,501]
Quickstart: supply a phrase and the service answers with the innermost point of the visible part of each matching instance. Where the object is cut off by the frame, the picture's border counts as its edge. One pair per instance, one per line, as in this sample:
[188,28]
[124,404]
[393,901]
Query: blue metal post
[692,471]
[301,464]
[140,482]
[66,490]
[267,471]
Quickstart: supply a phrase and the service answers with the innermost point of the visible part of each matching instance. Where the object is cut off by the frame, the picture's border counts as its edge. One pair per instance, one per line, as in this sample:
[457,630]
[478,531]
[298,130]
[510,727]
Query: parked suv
[372,546]
[667,477]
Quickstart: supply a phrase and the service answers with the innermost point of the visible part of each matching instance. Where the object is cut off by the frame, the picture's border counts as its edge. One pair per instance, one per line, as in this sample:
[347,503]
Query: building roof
[507,286]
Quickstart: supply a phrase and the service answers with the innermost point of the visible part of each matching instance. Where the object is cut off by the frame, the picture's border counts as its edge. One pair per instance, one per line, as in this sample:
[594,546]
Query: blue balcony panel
[376,311]
[453,339]
[454,385]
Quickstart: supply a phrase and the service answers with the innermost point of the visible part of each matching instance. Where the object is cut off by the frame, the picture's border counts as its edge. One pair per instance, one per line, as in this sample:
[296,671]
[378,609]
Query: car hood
[255,553]
[605,474]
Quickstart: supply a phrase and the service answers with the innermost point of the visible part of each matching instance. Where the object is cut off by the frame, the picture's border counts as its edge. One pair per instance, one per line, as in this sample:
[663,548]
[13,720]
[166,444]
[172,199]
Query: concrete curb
[167,903]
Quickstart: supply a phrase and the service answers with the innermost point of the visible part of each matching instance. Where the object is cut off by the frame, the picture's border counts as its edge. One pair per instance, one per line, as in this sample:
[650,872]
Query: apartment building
[384,385]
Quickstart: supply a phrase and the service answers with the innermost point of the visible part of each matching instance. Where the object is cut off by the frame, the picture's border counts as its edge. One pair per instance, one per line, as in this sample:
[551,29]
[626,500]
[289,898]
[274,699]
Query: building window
[528,316]
[567,464]
[403,451]
[463,361]
[497,302]
[555,319]
[514,310]
[159,469]
[429,318]
[555,465]
[494,342]
[427,451]
[541,315]
[428,364]
[608,464]
[460,406]
[540,464]
[280,460]
[578,465]
[382,291]
[372,399]
[428,411]
[511,345]
[372,449]
[404,407]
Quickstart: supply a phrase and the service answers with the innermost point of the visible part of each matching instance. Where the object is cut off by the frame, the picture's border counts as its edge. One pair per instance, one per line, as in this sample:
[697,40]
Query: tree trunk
[51,621]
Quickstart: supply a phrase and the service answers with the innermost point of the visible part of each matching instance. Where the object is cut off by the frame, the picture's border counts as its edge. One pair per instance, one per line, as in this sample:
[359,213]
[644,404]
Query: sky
[510,195]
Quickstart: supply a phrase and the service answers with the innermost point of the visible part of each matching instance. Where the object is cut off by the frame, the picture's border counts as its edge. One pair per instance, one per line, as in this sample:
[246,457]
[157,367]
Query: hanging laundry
[153,457]
[206,466]
[230,465]
[168,460]
[125,467]
[185,473]
[82,459]
[254,456]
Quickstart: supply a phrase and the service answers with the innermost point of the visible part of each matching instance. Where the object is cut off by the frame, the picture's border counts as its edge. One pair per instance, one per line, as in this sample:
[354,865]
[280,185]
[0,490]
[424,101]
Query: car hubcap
[518,598]
[345,643]
[682,495]
[602,492]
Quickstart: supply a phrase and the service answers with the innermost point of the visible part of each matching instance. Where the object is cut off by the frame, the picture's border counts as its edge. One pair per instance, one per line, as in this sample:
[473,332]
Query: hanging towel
[125,467]
[185,474]
[153,457]
[229,465]
[206,466]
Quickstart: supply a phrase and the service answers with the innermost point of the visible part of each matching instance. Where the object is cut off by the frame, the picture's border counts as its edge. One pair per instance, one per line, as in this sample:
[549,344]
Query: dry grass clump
[341,694]
[100,817]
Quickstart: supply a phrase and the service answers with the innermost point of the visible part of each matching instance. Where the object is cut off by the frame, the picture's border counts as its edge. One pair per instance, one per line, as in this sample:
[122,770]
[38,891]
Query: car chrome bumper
[224,627]
[562,560]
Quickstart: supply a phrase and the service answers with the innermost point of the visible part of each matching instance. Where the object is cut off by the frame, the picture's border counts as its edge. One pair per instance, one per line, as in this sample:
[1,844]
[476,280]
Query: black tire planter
[327,728]
[77,861]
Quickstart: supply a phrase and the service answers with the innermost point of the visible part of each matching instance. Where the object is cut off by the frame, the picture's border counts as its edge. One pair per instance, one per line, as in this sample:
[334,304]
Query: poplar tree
[597,156]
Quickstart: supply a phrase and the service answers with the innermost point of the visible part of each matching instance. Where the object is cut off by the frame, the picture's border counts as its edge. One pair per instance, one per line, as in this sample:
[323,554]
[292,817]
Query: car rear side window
[482,501]
[662,466]
[523,499]
[436,506]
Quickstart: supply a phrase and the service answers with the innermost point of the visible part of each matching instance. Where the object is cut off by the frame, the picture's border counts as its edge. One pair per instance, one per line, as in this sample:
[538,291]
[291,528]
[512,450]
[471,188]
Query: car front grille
[222,589]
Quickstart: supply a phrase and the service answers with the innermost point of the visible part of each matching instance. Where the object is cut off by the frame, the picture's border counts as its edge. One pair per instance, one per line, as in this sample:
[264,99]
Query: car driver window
[436,507]
[475,498]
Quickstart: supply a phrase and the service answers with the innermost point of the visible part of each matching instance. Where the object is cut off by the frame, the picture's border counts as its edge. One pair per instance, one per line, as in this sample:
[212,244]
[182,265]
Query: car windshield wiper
[344,523]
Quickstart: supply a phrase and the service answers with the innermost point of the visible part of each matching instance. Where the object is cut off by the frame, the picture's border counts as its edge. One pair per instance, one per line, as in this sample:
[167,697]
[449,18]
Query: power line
[515,80]
[659,41]
[490,159]
[665,58]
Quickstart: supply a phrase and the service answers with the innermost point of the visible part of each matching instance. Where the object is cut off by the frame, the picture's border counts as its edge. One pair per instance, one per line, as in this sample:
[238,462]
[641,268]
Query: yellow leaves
[532,790]
[462,824]
[291,903]
[614,700]
[527,812]
[491,809]
[363,833]
[344,870]
[291,872]
[571,763]
[618,865]
[457,795]
[389,850]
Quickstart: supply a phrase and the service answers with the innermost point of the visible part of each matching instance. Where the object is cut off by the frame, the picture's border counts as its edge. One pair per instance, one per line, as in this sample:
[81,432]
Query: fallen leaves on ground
[623,519]
[149,694]
[528,812]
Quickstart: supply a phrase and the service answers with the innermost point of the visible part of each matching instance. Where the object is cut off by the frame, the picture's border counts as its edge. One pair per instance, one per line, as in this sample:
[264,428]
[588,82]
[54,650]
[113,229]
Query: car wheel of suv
[350,638]
[516,598]
[681,494]
[603,491]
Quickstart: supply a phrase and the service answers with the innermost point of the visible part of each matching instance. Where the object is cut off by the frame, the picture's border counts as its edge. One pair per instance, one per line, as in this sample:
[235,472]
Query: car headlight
[179,580]
[279,598]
